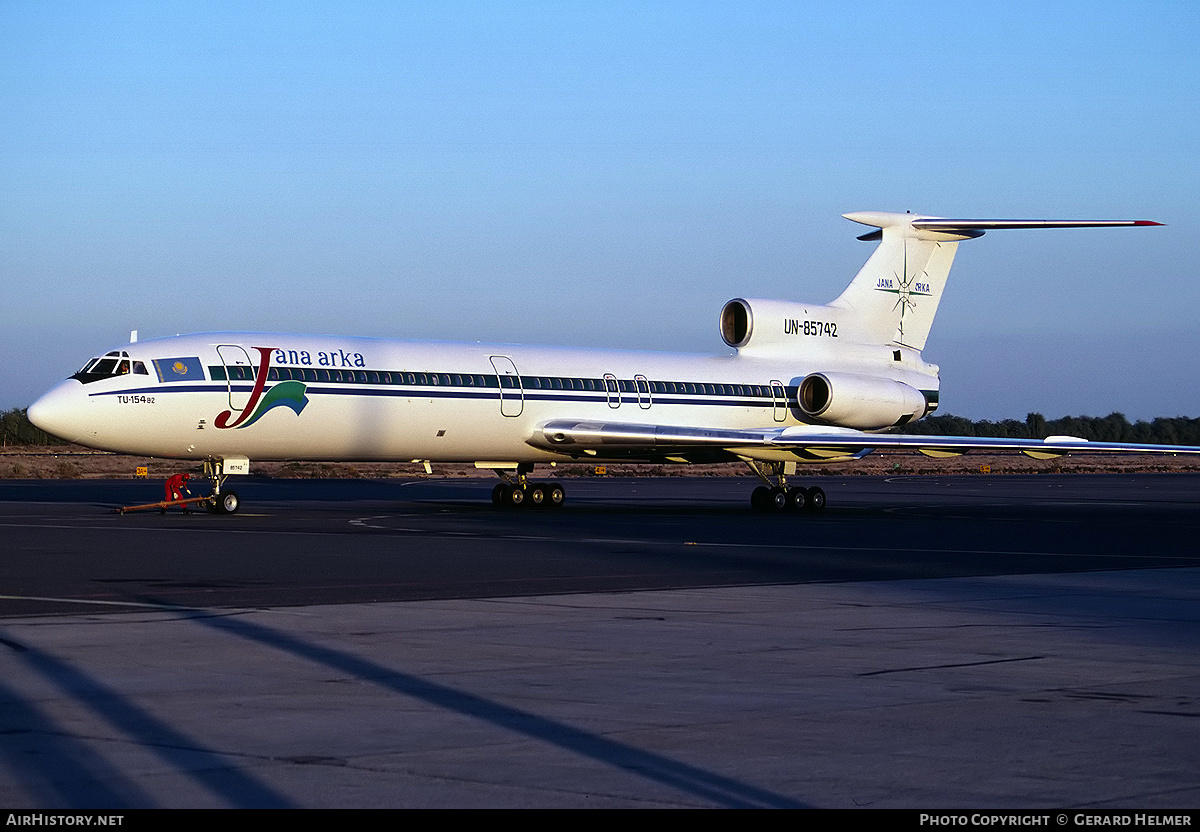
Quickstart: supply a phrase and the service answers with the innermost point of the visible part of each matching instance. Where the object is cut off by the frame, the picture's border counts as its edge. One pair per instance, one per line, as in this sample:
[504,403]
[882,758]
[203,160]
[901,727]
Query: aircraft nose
[58,412]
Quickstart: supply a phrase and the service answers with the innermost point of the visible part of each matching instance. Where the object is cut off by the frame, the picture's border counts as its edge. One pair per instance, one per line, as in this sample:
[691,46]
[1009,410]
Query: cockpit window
[114,363]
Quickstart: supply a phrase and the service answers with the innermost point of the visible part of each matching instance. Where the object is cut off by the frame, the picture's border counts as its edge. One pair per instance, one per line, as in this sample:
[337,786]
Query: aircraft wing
[805,443]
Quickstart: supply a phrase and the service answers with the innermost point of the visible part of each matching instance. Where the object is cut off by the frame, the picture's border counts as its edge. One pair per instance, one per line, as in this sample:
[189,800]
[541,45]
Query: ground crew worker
[175,488]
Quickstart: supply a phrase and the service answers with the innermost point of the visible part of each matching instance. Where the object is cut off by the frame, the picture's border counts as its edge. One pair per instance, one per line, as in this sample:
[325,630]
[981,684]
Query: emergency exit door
[512,394]
[779,396]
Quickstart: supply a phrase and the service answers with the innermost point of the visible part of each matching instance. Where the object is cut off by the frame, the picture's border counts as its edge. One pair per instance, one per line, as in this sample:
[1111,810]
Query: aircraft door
[642,385]
[779,395]
[613,389]
[238,368]
[512,393]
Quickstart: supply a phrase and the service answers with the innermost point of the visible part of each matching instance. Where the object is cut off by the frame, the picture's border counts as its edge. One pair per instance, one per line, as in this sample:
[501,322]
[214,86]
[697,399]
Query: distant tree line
[1111,428]
[16,429]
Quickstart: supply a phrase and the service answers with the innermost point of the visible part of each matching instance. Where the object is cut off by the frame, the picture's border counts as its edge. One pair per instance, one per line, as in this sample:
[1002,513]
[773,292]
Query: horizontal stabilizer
[953,225]
[950,225]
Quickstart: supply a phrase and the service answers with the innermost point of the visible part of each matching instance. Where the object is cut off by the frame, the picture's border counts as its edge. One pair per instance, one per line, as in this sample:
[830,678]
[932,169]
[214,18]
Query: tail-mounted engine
[855,401]
[775,325]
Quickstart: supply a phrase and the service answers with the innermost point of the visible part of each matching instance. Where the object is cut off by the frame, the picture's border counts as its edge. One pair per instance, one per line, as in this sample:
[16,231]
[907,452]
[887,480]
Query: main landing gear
[519,492]
[778,496]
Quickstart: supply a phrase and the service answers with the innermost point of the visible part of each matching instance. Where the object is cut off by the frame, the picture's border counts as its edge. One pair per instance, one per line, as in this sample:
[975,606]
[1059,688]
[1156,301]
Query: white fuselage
[200,396]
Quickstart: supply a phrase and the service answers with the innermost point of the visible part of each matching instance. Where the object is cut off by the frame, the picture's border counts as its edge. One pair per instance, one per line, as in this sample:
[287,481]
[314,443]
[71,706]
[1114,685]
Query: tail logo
[905,287]
[289,394]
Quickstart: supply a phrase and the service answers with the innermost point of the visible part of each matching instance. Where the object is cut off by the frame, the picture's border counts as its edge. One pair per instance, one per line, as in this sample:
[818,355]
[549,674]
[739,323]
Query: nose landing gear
[221,502]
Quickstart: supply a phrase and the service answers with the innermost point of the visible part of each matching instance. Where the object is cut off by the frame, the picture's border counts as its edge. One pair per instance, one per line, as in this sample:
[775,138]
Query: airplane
[805,383]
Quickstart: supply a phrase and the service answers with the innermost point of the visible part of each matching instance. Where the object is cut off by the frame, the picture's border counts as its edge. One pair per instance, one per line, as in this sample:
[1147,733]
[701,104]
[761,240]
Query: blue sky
[602,174]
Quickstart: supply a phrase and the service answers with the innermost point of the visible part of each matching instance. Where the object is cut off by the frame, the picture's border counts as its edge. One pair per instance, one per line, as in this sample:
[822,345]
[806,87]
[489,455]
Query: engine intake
[737,323]
[856,401]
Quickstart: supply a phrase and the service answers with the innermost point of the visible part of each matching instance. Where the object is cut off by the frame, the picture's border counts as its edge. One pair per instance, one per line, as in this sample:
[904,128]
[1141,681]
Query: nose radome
[60,411]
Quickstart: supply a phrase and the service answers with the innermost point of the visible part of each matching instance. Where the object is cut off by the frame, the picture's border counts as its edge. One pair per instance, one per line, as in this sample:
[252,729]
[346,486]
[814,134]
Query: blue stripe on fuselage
[428,393]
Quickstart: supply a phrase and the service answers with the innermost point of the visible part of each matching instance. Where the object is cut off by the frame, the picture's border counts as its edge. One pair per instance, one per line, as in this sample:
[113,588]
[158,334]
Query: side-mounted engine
[851,400]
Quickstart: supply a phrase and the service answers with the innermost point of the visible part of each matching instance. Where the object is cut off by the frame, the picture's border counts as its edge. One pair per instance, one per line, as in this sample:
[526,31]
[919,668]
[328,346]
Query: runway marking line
[172,607]
[951,666]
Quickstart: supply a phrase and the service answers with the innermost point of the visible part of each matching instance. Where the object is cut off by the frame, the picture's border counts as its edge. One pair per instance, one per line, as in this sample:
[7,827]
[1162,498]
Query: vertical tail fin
[896,293]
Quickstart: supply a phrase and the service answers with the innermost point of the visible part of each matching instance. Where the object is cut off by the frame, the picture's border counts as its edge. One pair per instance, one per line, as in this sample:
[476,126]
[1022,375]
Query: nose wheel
[228,502]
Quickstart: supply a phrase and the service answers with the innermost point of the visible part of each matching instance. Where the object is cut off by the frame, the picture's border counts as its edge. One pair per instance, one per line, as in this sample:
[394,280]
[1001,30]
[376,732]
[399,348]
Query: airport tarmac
[927,642]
